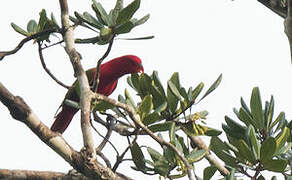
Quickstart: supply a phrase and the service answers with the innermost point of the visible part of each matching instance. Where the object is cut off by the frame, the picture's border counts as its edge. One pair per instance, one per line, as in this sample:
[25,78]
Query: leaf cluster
[259,141]
[118,21]
[42,25]
[167,110]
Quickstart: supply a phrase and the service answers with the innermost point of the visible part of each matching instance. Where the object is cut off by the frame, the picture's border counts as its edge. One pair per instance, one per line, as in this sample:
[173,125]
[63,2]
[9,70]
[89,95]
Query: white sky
[199,39]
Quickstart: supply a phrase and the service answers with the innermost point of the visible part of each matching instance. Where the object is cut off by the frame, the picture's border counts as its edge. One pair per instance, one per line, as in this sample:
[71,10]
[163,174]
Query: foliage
[118,21]
[259,142]
[43,24]
[165,110]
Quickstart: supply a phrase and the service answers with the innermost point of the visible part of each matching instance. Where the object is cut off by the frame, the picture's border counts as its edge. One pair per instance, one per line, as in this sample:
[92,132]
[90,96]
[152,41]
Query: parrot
[110,72]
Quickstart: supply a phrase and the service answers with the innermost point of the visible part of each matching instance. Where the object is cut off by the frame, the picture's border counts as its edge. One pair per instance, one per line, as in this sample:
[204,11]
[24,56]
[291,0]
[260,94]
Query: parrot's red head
[133,64]
[128,64]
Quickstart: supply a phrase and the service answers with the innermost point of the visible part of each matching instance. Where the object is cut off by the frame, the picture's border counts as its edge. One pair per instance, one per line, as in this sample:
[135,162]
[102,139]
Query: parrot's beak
[140,69]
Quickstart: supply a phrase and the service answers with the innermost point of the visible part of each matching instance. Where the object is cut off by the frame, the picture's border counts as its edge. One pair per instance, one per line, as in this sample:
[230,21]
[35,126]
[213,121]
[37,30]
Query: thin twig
[110,126]
[121,128]
[105,138]
[59,42]
[97,74]
[25,40]
[104,158]
[46,69]
[121,157]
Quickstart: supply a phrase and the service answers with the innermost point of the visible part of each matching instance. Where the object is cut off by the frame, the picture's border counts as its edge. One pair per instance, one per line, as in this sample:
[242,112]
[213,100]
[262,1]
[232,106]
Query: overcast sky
[243,40]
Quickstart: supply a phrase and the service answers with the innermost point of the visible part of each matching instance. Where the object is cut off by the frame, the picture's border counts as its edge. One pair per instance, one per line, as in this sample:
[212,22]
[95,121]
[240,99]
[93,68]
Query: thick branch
[40,175]
[85,97]
[22,112]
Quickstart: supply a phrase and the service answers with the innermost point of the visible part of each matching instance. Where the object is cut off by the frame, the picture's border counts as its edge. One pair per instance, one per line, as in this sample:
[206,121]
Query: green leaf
[42,21]
[281,139]
[270,113]
[245,117]
[127,13]
[146,106]
[124,28]
[175,80]
[254,141]
[246,151]
[151,118]
[232,133]
[129,99]
[256,108]
[54,21]
[209,172]
[197,91]
[285,149]
[234,125]
[88,40]
[102,106]
[268,149]
[160,127]
[158,83]
[137,156]
[32,26]
[184,146]
[19,30]
[212,132]
[142,20]
[115,12]
[174,90]
[196,155]
[155,155]
[280,117]
[139,38]
[133,81]
[261,178]
[169,155]
[101,13]
[213,87]
[172,133]
[172,101]
[176,142]
[92,20]
[276,165]
[161,167]
[245,107]
[218,147]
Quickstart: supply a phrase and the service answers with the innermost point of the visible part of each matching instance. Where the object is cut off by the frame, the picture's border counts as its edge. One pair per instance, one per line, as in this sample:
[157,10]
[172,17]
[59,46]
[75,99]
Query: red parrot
[110,72]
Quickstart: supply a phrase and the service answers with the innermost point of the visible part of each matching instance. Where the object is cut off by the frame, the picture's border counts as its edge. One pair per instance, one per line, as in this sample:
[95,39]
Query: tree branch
[46,69]
[212,160]
[97,74]
[85,95]
[79,161]
[40,175]
[277,6]
[25,40]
